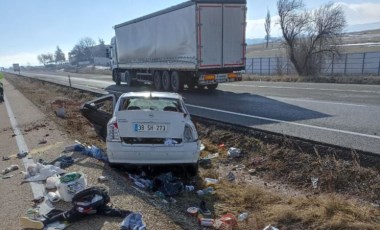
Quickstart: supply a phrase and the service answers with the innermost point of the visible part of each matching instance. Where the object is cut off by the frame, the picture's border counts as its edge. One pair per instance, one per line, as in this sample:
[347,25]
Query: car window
[150,103]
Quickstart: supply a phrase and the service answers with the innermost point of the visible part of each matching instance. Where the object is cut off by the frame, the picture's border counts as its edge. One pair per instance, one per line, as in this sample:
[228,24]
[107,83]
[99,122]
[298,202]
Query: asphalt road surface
[340,114]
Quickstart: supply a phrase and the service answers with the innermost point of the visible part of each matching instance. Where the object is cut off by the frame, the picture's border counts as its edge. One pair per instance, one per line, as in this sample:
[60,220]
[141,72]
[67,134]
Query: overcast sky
[32,27]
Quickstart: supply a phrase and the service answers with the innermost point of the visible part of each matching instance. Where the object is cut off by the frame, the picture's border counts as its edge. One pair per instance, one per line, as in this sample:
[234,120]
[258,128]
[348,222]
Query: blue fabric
[133,221]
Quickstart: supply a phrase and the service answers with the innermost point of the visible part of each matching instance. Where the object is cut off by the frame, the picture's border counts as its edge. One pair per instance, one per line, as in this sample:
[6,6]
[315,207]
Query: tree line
[83,51]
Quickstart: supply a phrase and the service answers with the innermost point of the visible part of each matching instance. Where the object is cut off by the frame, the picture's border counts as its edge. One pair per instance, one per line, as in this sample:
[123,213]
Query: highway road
[340,114]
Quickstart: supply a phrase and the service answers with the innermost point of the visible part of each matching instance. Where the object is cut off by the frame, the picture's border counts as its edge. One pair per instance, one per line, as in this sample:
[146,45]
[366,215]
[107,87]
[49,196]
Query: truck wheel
[116,76]
[212,87]
[176,82]
[128,78]
[157,80]
[166,81]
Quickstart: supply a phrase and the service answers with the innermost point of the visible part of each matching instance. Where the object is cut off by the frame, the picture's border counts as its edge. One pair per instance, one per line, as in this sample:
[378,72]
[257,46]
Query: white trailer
[197,43]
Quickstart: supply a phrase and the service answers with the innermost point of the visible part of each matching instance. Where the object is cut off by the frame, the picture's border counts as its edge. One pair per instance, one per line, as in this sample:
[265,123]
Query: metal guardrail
[347,64]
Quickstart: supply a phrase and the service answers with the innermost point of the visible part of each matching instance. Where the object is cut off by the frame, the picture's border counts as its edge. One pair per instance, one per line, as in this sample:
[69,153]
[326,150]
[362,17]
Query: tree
[310,36]
[82,51]
[59,56]
[267,26]
[45,58]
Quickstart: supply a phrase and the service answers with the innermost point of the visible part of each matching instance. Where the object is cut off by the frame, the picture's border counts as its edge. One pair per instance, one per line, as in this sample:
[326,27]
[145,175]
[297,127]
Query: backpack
[89,199]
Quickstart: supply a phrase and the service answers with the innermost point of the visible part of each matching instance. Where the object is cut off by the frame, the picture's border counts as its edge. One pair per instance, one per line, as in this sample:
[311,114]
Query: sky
[32,27]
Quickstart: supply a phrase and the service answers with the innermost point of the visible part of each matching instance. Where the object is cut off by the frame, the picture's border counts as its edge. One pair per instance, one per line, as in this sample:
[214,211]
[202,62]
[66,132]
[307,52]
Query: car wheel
[117,78]
[176,81]
[157,80]
[166,80]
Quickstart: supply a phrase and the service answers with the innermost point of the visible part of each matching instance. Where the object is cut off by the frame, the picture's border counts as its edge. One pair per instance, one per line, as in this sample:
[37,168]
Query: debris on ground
[42,141]
[133,221]
[22,154]
[5,158]
[234,152]
[102,179]
[39,172]
[167,184]
[10,169]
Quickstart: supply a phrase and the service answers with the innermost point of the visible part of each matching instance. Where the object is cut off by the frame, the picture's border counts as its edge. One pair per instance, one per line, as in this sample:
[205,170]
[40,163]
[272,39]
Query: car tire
[166,81]
[117,77]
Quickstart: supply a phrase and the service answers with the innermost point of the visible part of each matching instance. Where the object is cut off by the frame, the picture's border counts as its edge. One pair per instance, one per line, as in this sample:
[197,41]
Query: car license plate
[144,127]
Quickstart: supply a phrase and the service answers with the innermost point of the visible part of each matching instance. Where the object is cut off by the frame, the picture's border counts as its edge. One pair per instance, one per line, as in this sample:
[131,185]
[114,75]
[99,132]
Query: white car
[152,128]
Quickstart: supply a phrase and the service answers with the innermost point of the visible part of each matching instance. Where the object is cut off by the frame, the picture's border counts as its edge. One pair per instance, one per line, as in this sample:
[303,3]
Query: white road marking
[303,88]
[315,101]
[38,188]
[287,122]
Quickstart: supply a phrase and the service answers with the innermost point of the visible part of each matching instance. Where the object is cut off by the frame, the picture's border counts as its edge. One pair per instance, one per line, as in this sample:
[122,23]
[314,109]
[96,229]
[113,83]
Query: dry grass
[275,159]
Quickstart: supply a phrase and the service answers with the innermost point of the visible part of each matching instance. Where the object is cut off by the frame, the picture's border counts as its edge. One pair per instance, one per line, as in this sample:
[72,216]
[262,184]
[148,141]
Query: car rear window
[150,103]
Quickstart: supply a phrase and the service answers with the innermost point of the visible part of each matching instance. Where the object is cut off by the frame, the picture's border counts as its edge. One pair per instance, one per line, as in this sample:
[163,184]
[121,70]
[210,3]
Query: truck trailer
[198,43]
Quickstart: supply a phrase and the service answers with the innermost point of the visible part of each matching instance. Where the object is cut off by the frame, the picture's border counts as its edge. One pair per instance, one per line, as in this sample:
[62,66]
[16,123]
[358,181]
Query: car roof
[153,94]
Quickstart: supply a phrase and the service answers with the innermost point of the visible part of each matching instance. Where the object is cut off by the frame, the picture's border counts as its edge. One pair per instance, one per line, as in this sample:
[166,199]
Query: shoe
[26,222]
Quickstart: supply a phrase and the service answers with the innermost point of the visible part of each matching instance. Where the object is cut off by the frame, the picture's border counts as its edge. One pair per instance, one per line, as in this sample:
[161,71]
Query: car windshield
[150,103]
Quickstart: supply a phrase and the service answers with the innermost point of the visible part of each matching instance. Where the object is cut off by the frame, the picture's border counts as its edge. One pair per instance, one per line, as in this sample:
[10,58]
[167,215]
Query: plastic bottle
[243,216]
[205,191]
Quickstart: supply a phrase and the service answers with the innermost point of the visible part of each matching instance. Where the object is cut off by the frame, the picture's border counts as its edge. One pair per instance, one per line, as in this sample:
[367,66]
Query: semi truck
[198,43]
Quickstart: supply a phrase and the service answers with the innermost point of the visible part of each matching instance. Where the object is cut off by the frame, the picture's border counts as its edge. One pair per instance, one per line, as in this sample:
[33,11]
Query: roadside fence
[347,64]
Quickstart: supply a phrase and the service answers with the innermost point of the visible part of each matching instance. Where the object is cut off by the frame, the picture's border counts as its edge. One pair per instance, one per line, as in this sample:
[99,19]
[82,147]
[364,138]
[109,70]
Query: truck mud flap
[98,112]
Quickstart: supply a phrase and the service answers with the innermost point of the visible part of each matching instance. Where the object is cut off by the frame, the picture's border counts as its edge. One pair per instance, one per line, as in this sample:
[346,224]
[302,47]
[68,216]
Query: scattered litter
[189,188]
[43,141]
[252,171]
[239,167]
[243,216]
[7,176]
[227,221]
[133,221]
[170,142]
[314,182]
[206,222]
[5,158]
[60,112]
[206,191]
[202,147]
[52,182]
[10,169]
[71,183]
[212,156]
[38,199]
[205,163]
[63,161]
[167,184]
[204,210]
[233,152]
[102,179]
[231,176]
[270,227]
[31,170]
[211,182]
[193,211]
[22,154]
[43,172]
[53,197]
[140,182]
[222,146]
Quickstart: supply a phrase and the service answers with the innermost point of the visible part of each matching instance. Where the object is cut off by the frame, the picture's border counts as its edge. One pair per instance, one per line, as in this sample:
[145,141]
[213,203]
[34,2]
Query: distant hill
[362,27]
[254,41]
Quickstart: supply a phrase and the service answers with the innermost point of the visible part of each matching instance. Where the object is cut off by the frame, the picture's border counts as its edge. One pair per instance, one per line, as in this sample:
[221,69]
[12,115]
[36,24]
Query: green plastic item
[68,177]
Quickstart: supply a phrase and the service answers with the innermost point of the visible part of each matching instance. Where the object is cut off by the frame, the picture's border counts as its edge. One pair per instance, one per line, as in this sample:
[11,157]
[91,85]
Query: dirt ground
[273,177]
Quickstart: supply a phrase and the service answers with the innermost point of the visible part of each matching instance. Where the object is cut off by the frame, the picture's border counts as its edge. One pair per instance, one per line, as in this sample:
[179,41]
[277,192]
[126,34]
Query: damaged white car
[149,128]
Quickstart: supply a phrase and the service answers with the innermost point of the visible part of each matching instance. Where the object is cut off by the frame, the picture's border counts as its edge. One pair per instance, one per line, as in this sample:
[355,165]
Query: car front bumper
[185,153]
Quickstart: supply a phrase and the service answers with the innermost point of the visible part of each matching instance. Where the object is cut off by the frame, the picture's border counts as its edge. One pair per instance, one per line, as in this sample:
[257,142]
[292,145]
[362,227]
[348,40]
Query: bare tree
[310,36]
[45,59]
[267,26]
[82,51]
[59,56]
